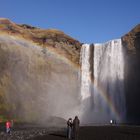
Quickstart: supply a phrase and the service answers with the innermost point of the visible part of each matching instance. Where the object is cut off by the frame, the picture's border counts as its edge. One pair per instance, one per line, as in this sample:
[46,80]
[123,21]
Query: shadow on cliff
[132,84]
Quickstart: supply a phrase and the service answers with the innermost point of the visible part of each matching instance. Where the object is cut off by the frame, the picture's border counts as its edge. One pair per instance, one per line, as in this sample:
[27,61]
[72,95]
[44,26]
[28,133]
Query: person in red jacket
[8,127]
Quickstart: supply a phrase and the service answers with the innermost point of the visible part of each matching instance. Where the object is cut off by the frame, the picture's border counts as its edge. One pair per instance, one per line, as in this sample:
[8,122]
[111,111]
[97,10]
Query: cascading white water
[85,72]
[86,82]
[108,94]
[108,77]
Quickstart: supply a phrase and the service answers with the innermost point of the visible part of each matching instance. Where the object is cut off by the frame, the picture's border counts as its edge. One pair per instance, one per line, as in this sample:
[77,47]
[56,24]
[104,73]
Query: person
[12,123]
[8,127]
[111,122]
[69,128]
[76,123]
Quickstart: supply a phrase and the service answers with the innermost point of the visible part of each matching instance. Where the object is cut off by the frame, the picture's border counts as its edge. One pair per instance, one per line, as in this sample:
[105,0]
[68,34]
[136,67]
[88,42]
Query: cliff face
[132,40]
[53,39]
[131,43]
[38,72]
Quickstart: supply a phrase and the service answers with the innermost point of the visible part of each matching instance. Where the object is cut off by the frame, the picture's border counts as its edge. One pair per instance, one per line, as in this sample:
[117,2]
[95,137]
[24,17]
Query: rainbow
[50,50]
[107,100]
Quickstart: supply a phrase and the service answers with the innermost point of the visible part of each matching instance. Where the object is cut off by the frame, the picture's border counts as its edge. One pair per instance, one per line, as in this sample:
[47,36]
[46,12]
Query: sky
[89,21]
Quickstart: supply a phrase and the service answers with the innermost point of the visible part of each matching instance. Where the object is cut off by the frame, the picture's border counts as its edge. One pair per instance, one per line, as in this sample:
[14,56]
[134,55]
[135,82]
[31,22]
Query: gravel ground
[23,134]
[26,132]
[99,133]
[86,133]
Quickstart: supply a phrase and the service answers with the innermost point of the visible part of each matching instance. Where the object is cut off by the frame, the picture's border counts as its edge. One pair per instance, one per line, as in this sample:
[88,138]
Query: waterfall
[85,72]
[107,95]
[86,81]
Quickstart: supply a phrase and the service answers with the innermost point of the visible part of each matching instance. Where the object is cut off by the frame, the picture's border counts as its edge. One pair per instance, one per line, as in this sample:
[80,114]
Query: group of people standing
[73,128]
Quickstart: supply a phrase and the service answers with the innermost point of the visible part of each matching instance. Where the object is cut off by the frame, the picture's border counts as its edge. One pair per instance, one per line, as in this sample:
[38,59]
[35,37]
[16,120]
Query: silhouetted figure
[12,123]
[76,124]
[69,128]
[8,127]
[113,122]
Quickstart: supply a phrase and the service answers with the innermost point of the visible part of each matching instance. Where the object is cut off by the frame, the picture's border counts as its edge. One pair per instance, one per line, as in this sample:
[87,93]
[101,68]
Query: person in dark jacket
[76,123]
[69,128]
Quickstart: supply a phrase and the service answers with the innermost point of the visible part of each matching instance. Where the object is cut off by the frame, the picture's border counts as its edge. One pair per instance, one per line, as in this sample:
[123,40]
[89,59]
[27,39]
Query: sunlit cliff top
[54,39]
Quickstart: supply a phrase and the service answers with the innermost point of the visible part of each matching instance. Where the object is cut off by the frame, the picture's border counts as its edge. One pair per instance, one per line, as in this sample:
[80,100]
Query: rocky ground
[26,132]
[86,133]
[99,133]
[23,134]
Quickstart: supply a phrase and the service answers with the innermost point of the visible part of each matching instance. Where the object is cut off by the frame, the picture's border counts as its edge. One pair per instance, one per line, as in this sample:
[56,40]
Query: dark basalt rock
[131,43]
